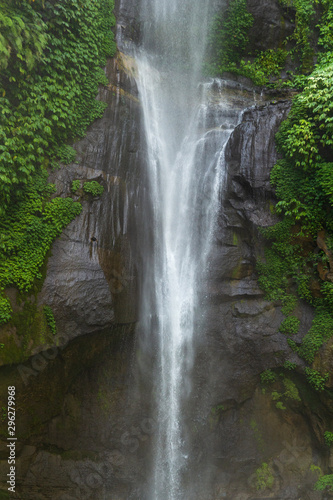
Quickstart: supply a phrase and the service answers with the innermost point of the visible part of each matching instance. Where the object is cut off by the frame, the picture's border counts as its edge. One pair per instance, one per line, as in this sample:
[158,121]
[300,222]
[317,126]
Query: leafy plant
[268,377]
[76,184]
[289,366]
[324,483]
[303,32]
[280,406]
[66,154]
[22,35]
[264,477]
[50,319]
[27,233]
[290,325]
[291,391]
[328,436]
[229,36]
[93,188]
[316,379]
[5,309]
[316,469]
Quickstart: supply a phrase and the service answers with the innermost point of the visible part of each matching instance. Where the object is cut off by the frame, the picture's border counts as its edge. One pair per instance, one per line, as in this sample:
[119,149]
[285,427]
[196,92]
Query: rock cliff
[84,419]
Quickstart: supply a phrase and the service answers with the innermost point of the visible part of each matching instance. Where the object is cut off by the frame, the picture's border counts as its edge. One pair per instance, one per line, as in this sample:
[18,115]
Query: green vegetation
[66,154]
[316,379]
[265,65]
[76,184]
[229,37]
[290,325]
[268,377]
[280,406]
[230,49]
[51,59]
[328,436]
[316,469]
[89,187]
[264,477]
[257,436]
[27,233]
[289,366]
[284,388]
[93,188]
[303,35]
[325,483]
[50,319]
[298,262]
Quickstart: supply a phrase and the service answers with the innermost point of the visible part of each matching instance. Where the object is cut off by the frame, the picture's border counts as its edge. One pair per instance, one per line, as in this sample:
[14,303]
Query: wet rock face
[241,424]
[128,24]
[273,24]
[249,152]
[91,276]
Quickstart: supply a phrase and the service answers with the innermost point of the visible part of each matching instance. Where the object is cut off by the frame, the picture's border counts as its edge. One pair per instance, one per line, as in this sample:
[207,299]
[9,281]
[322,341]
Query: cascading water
[185,151]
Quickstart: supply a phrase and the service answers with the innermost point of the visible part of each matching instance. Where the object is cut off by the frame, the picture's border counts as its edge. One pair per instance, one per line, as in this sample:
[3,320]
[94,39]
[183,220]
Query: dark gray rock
[91,277]
[272,24]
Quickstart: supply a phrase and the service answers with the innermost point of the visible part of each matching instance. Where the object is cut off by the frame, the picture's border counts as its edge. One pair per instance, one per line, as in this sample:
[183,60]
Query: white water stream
[186,131]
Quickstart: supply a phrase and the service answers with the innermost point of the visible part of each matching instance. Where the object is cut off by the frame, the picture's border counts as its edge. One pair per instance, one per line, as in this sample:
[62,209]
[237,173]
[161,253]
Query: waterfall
[187,124]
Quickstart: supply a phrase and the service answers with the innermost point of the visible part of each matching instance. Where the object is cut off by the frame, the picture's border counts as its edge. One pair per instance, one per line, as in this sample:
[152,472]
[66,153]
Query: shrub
[328,436]
[316,379]
[324,483]
[265,478]
[50,319]
[76,184]
[268,377]
[93,188]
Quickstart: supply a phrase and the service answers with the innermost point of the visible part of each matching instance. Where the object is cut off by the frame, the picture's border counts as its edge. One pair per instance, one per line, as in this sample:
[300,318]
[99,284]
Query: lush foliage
[46,104]
[22,36]
[66,154]
[268,377]
[51,59]
[76,184]
[229,36]
[316,379]
[93,188]
[264,477]
[27,233]
[298,263]
[304,30]
[50,319]
[281,388]
[89,187]
[328,436]
[325,483]
[230,49]
[289,366]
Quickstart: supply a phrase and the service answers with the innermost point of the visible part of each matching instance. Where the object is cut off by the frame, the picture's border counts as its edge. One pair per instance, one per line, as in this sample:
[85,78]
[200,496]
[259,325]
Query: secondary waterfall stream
[187,124]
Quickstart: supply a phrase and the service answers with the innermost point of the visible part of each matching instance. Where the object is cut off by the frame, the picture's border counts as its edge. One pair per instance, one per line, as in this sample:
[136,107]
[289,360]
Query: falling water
[185,144]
